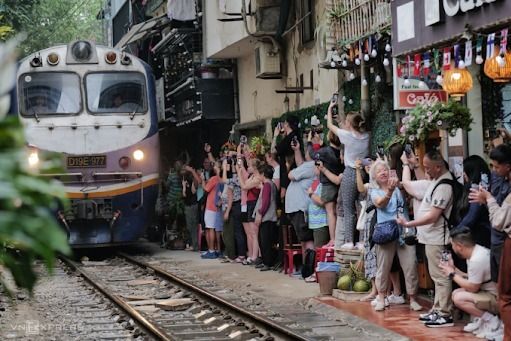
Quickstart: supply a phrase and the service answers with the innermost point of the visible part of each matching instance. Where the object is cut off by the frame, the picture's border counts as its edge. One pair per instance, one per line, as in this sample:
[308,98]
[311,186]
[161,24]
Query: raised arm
[329,120]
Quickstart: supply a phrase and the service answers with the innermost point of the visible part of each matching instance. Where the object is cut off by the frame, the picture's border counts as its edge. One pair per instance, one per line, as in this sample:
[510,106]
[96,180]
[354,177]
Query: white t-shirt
[276,173]
[478,269]
[356,146]
[435,233]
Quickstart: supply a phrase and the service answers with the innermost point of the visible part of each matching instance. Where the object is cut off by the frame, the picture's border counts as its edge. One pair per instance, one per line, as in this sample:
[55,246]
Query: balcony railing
[352,20]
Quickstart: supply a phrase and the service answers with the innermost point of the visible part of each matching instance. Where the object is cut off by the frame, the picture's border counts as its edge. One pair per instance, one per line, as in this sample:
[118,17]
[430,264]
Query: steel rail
[148,325]
[266,323]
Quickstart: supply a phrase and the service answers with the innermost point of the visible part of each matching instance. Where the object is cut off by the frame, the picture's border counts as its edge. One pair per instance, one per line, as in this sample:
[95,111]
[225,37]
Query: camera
[408,149]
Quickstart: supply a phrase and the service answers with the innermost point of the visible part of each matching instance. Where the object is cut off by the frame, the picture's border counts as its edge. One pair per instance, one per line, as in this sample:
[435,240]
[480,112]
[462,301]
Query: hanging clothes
[182,10]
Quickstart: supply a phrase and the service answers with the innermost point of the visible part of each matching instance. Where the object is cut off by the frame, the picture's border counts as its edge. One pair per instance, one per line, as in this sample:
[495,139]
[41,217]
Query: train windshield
[119,92]
[45,93]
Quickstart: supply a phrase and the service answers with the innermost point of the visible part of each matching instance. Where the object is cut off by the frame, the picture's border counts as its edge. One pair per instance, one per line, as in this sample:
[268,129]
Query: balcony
[352,20]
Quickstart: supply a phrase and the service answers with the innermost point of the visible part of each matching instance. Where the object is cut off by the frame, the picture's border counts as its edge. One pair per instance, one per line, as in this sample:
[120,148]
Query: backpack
[308,263]
[460,202]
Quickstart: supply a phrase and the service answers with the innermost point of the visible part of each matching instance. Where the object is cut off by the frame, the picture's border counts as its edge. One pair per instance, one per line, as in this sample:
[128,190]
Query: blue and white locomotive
[97,106]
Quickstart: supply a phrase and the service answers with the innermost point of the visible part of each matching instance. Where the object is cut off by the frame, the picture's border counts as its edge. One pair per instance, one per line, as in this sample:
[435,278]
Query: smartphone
[243,139]
[485,182]
[446,255]
[366,162]
[294,141]
[493,133]
[408,149]
[392,174]
[335,109]
[317,159]
[335,98]
[380,151]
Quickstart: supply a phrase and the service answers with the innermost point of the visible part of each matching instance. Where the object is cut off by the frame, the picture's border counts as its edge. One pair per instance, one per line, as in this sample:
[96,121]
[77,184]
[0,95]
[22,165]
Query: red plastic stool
[290,249]
[323,255]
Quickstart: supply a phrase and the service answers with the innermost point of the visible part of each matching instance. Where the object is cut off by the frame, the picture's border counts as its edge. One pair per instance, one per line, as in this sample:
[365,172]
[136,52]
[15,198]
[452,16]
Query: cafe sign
[420,24]
[407,96]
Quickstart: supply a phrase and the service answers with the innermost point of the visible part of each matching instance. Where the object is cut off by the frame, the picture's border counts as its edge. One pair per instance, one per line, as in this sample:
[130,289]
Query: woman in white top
[356,146]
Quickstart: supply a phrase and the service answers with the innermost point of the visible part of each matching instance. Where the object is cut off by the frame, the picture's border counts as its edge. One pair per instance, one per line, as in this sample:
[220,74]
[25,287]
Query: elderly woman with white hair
[389,202]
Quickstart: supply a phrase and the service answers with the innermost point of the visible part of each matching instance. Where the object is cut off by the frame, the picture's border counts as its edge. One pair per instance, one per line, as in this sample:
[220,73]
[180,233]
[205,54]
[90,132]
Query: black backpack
[308,263]
[460,202]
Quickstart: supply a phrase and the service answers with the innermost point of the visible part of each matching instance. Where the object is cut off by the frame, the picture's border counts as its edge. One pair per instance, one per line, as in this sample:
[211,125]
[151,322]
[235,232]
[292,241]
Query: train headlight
[138,155]
[124,162]
[53,59]
[33,159]
[82,51]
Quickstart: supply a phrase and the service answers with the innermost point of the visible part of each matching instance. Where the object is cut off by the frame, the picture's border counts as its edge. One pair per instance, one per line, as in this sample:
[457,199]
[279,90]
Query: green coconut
[344,283]
[361,285]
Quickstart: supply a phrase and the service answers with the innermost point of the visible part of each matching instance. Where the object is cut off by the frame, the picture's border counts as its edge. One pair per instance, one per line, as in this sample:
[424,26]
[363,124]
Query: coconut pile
[352,278]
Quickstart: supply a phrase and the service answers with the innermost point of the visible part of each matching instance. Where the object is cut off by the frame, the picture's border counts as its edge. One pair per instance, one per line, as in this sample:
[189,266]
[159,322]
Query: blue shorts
[214,220]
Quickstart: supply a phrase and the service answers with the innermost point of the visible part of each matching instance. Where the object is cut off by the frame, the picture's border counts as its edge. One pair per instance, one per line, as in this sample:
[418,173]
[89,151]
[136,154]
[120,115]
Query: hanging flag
[409,65]
[456,54]
[426,64]
[468,53]
[399,70]
[417,65]
[503,40]
[436,60]
[446,62]
[490,45]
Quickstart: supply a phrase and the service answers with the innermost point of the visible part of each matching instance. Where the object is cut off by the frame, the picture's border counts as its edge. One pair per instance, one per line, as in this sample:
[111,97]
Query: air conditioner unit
[267,61]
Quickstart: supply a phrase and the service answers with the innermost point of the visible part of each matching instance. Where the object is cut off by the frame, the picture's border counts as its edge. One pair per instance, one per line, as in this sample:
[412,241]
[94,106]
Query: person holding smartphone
[356,146]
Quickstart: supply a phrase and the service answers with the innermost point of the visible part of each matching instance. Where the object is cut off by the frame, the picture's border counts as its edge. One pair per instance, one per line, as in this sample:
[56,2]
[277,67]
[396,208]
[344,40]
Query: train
[96,107]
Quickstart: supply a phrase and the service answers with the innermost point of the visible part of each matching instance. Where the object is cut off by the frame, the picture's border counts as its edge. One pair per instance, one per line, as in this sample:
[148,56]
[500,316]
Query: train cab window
[45,93]
[119,92]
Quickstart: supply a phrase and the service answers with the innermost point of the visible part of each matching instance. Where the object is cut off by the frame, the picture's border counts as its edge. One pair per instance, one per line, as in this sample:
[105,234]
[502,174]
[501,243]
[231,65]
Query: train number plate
[86,161]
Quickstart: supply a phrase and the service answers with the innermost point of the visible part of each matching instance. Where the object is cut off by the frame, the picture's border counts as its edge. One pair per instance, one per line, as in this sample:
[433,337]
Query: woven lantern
[498,67]
[457,82]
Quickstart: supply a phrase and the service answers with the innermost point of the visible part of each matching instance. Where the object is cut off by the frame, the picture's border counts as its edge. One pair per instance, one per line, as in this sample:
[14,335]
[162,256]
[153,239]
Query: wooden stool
[290,249]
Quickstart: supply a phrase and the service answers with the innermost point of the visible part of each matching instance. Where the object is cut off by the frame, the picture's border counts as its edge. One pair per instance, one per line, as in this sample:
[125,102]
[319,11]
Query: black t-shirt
[284,150]
[189,198]
[330,157]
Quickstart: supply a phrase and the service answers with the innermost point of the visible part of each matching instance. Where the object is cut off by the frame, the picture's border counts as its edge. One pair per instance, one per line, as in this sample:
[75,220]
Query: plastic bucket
[327,281]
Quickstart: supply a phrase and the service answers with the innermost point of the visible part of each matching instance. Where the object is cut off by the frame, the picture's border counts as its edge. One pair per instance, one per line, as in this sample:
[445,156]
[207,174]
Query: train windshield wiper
[132,115]
[36,116]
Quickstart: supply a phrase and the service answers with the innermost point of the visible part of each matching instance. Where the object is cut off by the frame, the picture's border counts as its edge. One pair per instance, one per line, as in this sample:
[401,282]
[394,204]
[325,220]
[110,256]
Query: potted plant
[425,120]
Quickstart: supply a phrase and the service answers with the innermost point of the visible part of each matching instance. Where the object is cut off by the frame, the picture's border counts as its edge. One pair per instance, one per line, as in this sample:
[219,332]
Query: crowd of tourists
[388,205]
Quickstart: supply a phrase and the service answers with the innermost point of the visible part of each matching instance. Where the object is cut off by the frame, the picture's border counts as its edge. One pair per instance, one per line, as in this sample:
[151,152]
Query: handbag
[361,222]
[386,232]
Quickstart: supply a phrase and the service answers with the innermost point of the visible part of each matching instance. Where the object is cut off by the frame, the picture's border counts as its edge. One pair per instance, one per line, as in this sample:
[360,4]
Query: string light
[377,79]
[357,61]
[374,53]
[386,61]
[364,82]
[366,57]
[388,48]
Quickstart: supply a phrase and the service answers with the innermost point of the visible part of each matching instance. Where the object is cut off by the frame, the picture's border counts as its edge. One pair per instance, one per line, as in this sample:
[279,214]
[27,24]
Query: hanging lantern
[498,67]
[457,82]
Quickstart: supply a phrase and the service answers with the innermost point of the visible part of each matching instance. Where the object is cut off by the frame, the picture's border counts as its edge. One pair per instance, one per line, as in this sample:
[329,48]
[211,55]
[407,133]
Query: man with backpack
[433,231]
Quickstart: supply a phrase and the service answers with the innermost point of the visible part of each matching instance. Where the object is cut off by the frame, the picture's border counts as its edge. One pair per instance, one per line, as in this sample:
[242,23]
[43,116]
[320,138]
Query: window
[116,92]
[307,24]
[49,93]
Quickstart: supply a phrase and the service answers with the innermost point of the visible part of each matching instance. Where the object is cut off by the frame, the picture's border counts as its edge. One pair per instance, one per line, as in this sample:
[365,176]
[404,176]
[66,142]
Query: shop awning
[143,30]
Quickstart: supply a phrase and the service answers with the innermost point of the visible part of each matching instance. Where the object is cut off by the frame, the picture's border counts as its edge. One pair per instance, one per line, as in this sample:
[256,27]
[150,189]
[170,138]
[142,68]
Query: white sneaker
[496,335]
[375,301]
[483,330]
[494,323]
[347,246]
[395,299]
[474,325]
[359,246]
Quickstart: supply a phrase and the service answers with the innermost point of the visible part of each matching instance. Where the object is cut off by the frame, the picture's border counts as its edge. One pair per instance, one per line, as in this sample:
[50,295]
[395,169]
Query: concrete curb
[370,329]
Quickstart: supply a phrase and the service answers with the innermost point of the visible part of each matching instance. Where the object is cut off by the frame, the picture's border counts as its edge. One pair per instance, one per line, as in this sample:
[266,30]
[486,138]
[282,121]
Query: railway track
[169,307]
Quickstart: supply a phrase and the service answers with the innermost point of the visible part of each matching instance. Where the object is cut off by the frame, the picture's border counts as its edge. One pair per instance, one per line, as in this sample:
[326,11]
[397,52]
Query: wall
[475,136]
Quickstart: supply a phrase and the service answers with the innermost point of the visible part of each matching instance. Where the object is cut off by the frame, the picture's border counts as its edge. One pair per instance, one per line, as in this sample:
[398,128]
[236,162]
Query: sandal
[310,279]
[248,261]
[239,259]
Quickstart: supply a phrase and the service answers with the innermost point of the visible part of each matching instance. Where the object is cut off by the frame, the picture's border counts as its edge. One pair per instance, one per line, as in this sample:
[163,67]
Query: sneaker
[375,301]
[415,306]
[248,261]
[496,335]
[473,326]
[259,266]
[348,246]
[379,306]
[428,316]
[209,255]
[487,327]
[258,261]
[265,268]
[219,254]
[395,299]
[440,321]
[359,246]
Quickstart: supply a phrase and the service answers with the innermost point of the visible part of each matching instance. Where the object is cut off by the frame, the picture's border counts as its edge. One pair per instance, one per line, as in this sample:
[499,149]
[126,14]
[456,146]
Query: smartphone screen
[392,174]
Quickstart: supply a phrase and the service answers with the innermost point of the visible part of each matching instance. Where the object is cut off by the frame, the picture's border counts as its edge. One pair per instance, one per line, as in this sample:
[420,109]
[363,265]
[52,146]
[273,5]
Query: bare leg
[246,226]
[332,218]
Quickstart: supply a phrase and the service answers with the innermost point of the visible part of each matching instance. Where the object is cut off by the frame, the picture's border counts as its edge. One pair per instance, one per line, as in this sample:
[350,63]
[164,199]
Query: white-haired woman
[389,202]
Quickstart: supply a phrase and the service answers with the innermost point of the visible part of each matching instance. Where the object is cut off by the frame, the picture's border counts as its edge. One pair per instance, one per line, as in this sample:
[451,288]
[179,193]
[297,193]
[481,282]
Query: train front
[96,106]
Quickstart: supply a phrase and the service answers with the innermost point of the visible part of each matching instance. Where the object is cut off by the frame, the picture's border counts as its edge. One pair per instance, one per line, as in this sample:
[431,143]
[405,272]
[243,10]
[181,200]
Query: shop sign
[410,95]
[420,24]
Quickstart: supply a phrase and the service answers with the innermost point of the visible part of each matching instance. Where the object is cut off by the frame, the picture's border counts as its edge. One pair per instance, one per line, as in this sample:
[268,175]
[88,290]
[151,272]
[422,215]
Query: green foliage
[423,119]
[351,90]
[28,229]
[381,122]
[52,22]
[304,115]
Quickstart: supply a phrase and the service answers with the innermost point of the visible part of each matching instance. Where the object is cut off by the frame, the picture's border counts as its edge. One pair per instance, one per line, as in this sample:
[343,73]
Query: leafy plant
[423,119]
